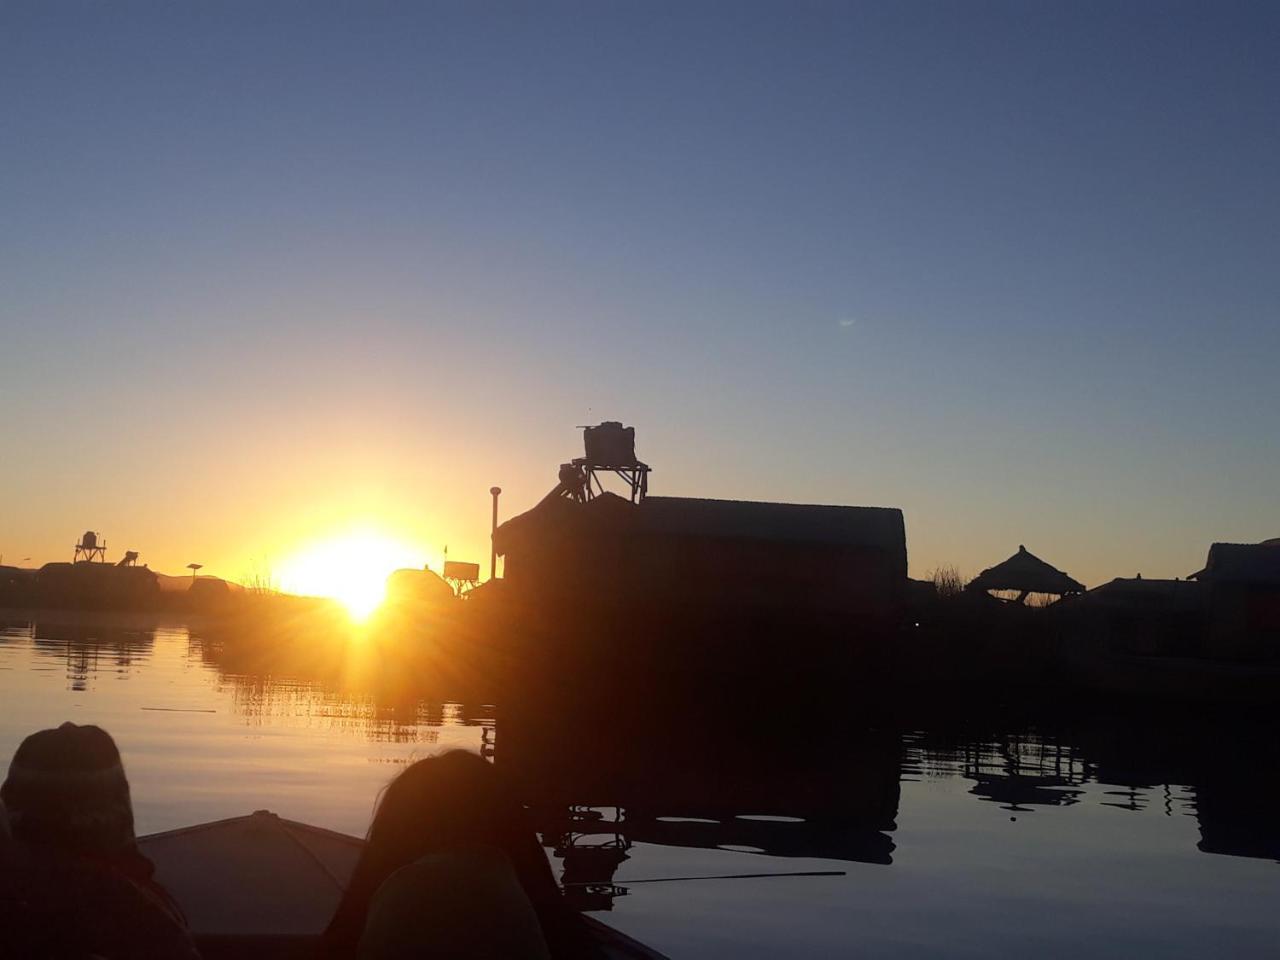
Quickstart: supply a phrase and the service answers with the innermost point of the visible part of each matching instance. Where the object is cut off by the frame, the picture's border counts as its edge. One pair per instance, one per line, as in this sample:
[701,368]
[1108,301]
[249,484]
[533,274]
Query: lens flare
[350,567]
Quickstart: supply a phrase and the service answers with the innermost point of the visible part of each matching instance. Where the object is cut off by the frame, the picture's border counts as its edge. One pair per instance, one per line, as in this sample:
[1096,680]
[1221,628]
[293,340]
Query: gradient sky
[268,270]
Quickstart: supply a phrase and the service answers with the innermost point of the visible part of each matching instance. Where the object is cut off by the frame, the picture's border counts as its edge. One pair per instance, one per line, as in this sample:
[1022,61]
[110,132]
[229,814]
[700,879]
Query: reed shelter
[736,558]
[1243,583]
[1025,574]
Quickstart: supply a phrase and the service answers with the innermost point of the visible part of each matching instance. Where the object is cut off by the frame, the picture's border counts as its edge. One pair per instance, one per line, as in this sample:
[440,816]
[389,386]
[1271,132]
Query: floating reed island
[706,598]
[714,594]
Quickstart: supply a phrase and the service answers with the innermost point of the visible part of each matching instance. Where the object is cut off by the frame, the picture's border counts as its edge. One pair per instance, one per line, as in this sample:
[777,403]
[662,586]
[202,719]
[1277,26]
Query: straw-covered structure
[1026,573]
[1257,563]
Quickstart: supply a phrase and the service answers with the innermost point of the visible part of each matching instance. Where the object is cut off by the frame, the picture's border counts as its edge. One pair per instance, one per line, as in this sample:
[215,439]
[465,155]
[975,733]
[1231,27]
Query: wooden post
[493,547]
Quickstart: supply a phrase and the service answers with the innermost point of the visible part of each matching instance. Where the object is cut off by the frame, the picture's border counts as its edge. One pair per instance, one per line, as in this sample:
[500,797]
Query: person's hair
[453,799]
[66,788]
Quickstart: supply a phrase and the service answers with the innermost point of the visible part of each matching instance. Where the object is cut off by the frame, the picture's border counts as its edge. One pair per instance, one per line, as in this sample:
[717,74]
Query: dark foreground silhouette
[72,880]
[451,867]
[449,838]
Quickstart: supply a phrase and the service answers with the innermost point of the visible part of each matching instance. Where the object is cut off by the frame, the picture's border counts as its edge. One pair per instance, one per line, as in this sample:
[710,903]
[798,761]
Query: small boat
[262,886]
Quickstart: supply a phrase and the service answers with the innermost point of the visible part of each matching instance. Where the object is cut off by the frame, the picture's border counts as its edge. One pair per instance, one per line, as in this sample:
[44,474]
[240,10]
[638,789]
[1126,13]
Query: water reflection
[333,680]
[86,649]
[697,777]
[1220,769]
[1019,771]
[777,780]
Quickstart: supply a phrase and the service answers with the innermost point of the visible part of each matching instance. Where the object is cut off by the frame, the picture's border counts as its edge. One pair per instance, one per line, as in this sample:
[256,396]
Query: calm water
[1151,833]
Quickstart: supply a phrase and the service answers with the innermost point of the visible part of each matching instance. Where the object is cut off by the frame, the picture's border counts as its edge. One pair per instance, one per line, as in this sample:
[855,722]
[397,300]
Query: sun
[350,567]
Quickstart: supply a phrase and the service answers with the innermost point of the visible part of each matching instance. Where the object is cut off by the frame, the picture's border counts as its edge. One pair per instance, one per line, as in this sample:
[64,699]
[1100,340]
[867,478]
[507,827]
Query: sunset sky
[271,273]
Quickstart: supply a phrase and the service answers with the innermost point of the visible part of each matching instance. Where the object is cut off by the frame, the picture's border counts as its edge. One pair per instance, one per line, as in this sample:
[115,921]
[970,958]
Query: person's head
[455,800]
[66,788]
[444,800]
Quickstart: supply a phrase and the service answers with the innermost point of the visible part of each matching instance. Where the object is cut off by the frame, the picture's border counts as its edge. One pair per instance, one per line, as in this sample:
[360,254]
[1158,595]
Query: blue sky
[1011,267]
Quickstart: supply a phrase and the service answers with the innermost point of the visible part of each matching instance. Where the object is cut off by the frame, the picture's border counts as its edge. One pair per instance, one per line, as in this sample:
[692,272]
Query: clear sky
[271,271]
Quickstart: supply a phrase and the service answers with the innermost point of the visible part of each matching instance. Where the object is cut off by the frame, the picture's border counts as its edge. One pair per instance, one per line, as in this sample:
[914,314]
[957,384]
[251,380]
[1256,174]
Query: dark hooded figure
[451,867]
[73,882]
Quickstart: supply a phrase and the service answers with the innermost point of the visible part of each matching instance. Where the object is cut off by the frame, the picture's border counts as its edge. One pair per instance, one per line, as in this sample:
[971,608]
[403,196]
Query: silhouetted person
[72,880]
[452,868]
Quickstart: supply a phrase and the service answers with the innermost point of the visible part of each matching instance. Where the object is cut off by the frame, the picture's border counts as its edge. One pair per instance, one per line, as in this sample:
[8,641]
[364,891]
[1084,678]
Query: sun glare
[351,568]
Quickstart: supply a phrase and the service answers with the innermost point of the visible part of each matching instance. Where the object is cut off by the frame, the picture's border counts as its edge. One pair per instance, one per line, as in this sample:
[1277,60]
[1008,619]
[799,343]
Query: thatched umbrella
[1026,573]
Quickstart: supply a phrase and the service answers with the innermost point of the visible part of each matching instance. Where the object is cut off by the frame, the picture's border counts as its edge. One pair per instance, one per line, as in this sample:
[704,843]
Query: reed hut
[418,587]
[1025,574]
[1252,563]
[95,586]
[15,586]
[680,553]
[1243,581]
[1137,615]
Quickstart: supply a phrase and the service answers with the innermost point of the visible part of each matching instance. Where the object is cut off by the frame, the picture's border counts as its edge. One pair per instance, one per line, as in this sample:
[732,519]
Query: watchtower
[90,549]
[610,448]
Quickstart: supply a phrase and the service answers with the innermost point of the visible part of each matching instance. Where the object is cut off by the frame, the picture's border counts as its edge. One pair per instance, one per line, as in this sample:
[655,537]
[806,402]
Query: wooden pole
[493,547]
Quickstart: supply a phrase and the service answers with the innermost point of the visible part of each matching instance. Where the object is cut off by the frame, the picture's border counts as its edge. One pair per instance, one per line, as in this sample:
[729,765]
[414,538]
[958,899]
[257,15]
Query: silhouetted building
[736,557]
[1142,616]
[1243,581]
[95,586]
[413,587]
[15,586]
[209,593]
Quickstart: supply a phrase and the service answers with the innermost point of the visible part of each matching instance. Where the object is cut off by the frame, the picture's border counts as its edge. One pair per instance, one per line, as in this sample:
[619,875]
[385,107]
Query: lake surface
[1147,831]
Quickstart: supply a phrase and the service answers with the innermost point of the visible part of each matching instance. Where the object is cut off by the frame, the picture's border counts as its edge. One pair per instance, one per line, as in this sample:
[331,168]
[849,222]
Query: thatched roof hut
[1137,591]
[1243,584]
[1025,573]
[720,553]
[877,528]
[411,585]
[1256,563]
[95,586]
